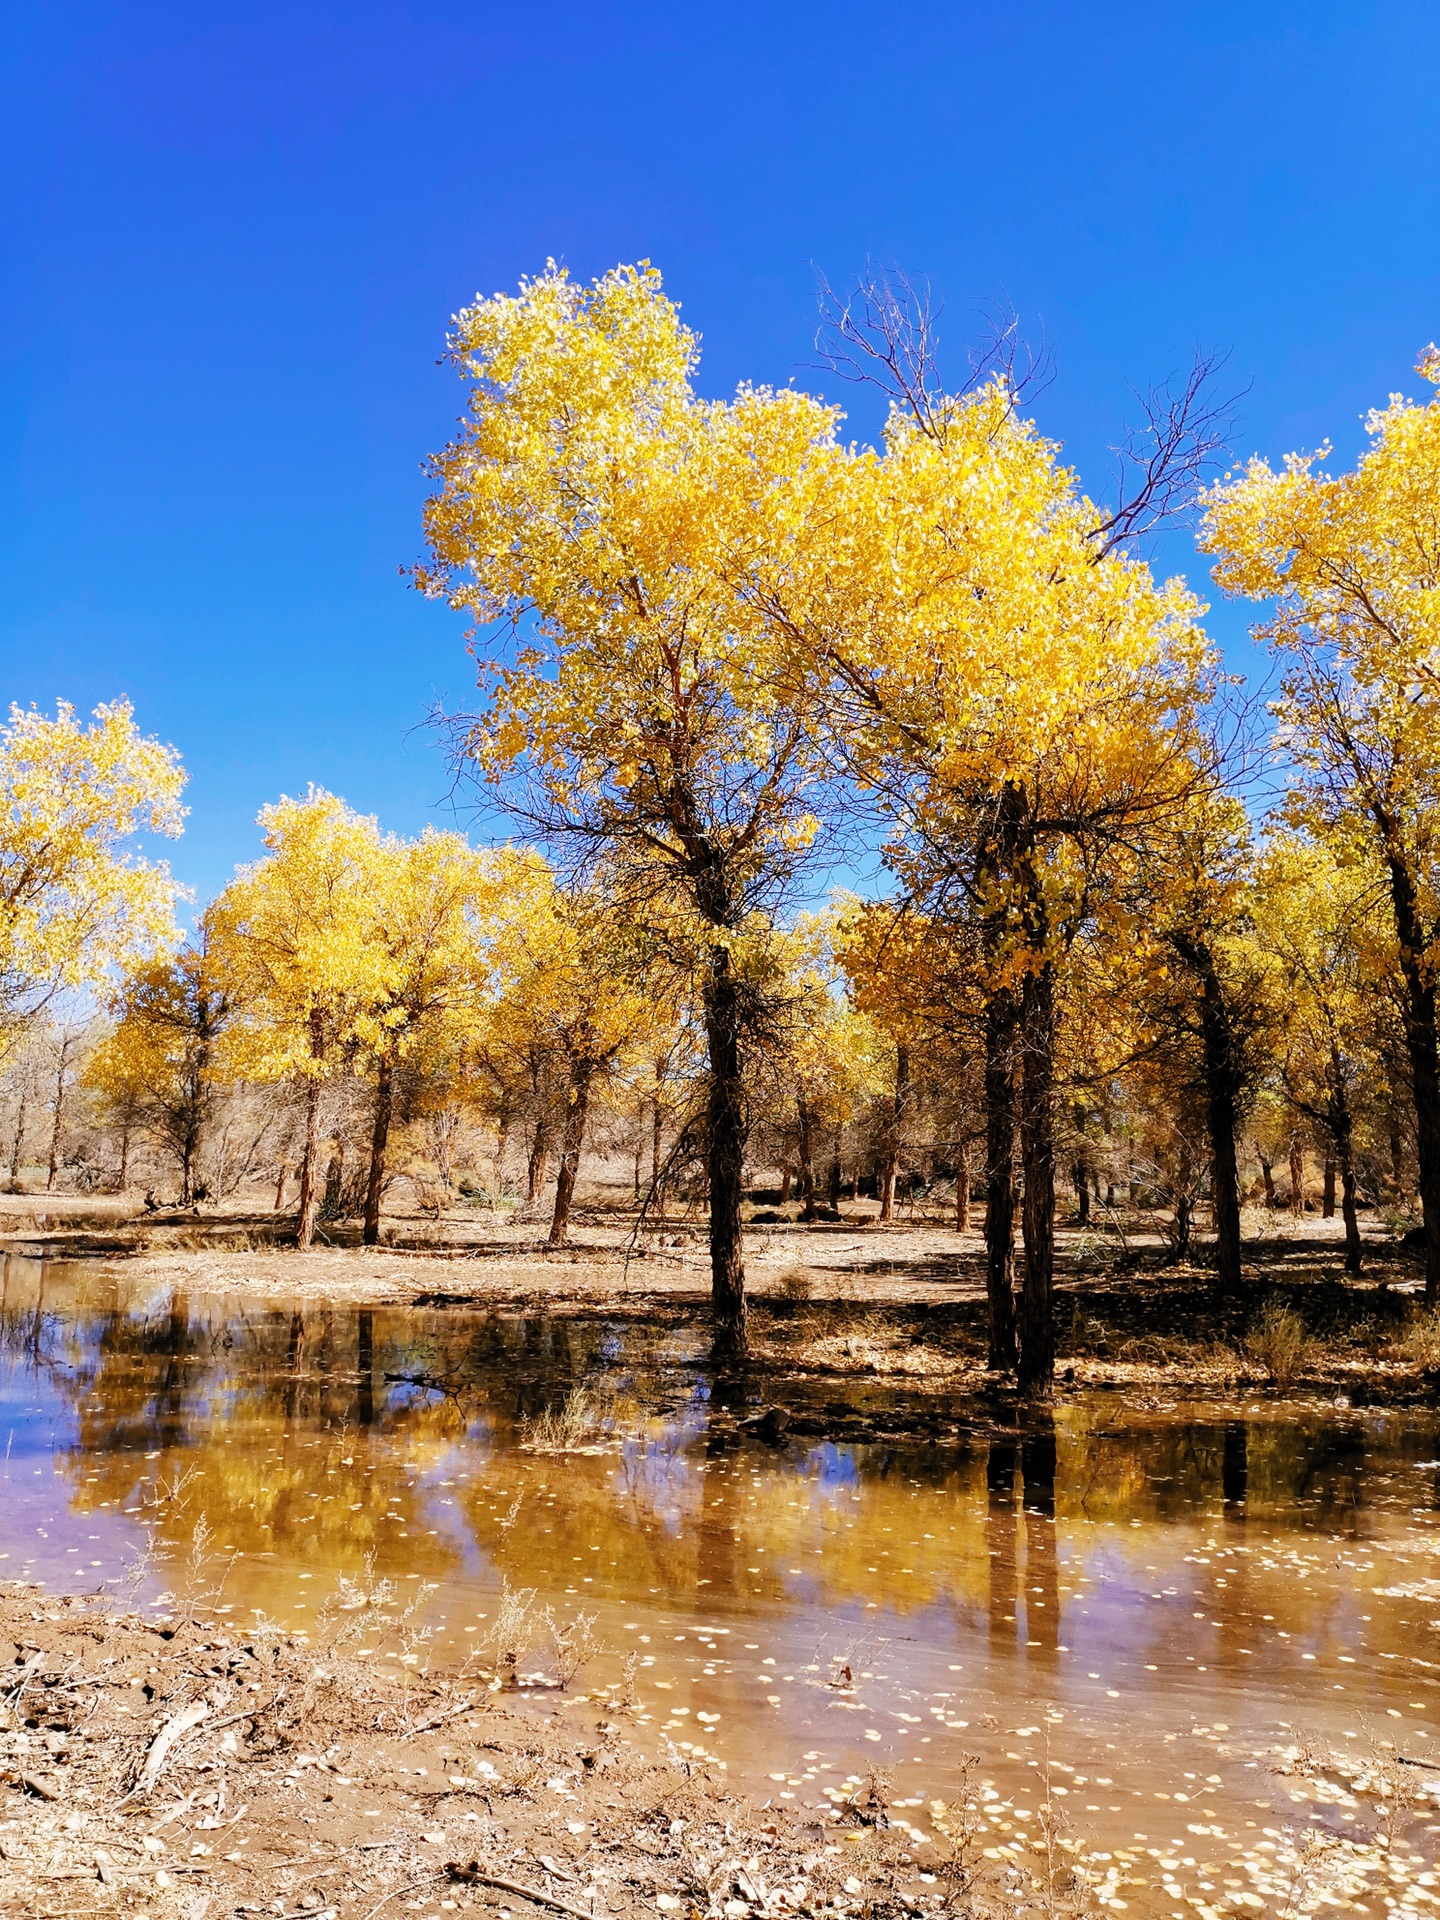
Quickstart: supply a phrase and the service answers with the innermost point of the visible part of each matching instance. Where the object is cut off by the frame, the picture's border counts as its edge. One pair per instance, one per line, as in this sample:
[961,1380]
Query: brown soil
[178,1768]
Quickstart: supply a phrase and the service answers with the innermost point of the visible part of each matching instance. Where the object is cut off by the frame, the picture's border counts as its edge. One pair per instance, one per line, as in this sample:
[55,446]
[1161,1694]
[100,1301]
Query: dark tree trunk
[577,1107]
[1297,1177]
[833,1187]
[1421,1046]
[125,1154]
[787,1177]
[1000,1117]
[1037,1147]
[1397,1160]
[308,1207]
[1080,1178]
[1327,1204]
[281,1177]
[379,1141]
[1348,1208]
[726,1129]
[1222,1091]
[1267,1170]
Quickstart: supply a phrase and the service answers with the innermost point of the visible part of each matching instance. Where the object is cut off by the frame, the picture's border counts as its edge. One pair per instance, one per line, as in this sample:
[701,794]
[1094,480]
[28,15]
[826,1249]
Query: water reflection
[1132,1576]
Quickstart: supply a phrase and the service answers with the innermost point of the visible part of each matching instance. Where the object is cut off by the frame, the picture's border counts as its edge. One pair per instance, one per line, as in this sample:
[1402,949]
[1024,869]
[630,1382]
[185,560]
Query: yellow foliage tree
[293,935]
[1019,693]
[161,1057]
[567,987]
[1352,563]
[594,503]
[76,899]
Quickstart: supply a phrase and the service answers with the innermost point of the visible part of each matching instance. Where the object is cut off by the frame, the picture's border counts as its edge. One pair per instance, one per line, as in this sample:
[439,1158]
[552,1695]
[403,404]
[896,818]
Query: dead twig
[472,1874]
[173,1729]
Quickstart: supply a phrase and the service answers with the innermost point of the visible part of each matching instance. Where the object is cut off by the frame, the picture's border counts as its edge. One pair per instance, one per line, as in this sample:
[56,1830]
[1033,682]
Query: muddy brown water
[1131,1615]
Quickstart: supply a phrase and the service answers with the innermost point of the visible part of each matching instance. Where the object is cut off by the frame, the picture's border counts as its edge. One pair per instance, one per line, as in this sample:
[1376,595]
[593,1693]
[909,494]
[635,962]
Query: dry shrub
[1421,1340]
[1279,1342]
[796,1284]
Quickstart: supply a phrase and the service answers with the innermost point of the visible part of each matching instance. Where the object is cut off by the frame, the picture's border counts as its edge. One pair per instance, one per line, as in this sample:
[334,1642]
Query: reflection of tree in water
[251,1416]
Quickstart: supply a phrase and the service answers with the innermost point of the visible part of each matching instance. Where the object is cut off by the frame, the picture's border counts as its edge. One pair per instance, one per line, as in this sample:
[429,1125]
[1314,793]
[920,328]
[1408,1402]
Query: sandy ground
[178,1767]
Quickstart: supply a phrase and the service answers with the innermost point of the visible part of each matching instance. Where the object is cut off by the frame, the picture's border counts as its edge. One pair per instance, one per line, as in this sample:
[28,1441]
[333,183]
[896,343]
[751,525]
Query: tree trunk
[1297,1177]
[281,1177]
[18,1144]
[1267,1170]
[1037,1148]
[305,1218]
[1345,1152]
[962,1188]
[1397,1160]
[1184,1207]
[539,1157]
[379,1141]
[55,1131]
[125,1154]
[1000,1024]
[787,1177]
[1327,1204]
[577,1107]
[1222,1117]
[1421,1046]
[806,1148]
[1080,1179]
[836,1176]
[726,1153]
[894,1132]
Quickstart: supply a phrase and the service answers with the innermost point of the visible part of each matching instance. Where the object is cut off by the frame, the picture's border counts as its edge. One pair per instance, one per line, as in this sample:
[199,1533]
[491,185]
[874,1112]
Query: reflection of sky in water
[1169,1594]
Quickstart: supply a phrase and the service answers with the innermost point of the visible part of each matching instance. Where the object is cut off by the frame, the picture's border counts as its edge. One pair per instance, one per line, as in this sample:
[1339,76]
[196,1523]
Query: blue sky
[233,236]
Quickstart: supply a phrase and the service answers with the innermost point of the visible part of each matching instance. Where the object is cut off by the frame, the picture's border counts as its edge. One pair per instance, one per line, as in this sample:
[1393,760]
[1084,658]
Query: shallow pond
[1130,1614]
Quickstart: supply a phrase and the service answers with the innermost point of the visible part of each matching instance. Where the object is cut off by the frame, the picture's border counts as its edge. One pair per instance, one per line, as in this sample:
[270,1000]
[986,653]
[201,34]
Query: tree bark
[1222,1113]
[1297,1177]
[726,1127]
[805,1144]
[962,1187]
[1267,1170]
[305,1218]
[379,1141]
[893,1133]
[1327,1204]
[539,1157]
[61,1069]
[125,1154]
[281,1177]
[1000,1025]
[1419,1011]
[577,1107]
[18,1144]
[1037,1148]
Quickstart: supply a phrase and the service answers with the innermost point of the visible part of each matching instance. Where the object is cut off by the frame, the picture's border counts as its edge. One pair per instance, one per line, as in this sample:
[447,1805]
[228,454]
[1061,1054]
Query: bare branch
[1162,462]
[885,334]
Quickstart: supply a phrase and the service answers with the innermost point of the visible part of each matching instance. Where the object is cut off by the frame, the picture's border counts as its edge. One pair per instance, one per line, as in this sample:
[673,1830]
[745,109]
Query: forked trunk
[725,1117]
[379,1141]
